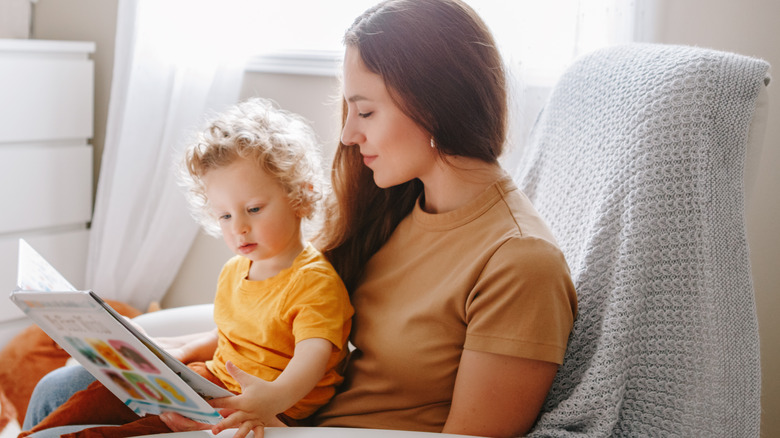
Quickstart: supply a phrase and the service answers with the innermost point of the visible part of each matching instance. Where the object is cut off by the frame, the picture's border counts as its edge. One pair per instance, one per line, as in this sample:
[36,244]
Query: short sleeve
[318,307]
[523,303]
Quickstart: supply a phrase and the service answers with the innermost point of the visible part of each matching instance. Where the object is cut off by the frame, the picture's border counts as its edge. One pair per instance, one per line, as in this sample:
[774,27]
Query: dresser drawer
[45,95]
[45,186]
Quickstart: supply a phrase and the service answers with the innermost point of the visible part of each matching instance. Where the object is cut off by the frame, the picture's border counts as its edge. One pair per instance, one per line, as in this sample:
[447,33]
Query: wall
[747,27]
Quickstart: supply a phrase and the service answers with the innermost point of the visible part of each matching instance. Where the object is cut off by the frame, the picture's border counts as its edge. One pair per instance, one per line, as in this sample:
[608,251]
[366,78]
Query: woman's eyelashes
[365,115]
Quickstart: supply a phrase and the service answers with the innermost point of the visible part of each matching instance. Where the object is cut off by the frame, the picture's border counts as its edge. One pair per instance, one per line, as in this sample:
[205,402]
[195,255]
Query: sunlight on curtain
[175,61]
[543,36]
[539,39]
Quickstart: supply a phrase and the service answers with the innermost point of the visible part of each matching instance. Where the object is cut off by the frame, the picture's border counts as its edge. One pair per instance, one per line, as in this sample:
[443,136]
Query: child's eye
[224,217]
[365,115]
[254,209]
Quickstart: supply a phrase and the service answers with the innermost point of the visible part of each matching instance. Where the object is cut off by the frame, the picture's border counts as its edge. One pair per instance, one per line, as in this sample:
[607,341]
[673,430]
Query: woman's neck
[457,181]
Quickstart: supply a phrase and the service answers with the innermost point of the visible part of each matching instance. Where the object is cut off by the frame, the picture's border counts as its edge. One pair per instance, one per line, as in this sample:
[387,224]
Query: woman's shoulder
[516,214]
[530,250]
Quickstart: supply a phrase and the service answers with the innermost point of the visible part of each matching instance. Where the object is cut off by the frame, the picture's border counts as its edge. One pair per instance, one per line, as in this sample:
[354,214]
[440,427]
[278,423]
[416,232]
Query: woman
[463,302]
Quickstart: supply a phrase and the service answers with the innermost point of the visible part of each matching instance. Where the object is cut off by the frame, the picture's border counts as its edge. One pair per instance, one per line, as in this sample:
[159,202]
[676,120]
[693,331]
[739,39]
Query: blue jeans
[53,390]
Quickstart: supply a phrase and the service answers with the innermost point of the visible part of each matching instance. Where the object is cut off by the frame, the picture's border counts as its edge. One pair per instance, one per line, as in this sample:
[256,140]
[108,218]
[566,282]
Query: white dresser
[46,122]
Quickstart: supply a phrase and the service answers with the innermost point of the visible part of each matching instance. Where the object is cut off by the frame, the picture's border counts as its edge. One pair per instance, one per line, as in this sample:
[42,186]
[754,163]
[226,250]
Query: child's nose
[240,226]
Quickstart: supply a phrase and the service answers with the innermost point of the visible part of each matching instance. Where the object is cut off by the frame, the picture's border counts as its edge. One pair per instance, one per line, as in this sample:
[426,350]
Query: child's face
[254,213]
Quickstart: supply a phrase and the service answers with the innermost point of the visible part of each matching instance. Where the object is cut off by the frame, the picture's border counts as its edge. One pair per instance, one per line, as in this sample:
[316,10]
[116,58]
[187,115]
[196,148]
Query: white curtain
[175,61]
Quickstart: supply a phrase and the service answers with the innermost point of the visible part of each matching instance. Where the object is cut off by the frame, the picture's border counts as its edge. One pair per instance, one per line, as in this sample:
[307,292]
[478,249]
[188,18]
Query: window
[537,38]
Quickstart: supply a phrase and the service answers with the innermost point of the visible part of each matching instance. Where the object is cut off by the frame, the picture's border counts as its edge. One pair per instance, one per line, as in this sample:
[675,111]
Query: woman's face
[393,146]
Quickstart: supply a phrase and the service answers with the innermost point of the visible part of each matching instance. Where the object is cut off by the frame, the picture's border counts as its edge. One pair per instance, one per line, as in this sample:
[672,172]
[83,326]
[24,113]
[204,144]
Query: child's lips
[246,248]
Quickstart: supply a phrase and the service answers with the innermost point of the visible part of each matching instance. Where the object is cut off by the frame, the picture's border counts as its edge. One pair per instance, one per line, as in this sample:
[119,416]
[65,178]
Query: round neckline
[466,213]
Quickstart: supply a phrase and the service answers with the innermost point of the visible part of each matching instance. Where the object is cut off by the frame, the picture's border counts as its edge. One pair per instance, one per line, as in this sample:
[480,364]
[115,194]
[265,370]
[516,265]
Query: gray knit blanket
[637,164]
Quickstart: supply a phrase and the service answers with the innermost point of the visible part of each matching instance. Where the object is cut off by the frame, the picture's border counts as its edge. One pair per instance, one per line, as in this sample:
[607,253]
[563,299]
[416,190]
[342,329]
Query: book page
[81,326]
[203,387]
[35,273]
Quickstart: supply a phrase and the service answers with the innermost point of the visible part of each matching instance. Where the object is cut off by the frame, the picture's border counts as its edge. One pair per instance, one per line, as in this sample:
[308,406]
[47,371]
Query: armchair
[637,164]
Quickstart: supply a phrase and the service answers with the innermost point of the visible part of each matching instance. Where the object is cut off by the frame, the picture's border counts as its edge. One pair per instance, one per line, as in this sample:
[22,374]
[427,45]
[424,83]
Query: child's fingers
[243,431]
[229,403]
[242,377]
[259,431]
[227,412]
[232,421]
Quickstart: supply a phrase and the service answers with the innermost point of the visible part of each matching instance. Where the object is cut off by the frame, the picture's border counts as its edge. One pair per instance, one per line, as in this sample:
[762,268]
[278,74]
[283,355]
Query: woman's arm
[497,395]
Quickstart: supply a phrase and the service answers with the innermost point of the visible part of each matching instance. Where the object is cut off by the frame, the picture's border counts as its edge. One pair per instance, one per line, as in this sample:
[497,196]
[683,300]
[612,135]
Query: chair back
[637,163]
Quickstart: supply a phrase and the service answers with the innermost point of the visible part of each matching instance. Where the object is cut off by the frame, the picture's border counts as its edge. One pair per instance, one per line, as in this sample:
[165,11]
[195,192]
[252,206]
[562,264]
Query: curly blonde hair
[280,142]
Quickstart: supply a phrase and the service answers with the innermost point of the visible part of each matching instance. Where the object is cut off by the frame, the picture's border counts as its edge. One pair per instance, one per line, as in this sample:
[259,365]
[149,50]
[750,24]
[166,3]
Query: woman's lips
[368,159]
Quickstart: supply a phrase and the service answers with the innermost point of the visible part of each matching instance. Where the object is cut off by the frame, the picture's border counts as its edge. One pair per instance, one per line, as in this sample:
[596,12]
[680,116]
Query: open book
[127,362]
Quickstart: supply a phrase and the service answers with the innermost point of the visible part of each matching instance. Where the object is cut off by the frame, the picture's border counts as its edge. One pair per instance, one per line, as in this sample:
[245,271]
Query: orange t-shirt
[486,277]
[259,322]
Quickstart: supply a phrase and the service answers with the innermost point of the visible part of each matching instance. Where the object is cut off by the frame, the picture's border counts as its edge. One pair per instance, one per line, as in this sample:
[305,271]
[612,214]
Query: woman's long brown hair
[441,66]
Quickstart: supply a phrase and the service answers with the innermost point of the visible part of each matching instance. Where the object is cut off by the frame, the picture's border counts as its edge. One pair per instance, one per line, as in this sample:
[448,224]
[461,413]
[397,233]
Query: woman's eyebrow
[356,98]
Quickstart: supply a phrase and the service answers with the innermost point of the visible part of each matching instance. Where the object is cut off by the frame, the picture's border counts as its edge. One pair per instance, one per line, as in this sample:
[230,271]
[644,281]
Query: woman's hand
[253,409]
[179,423]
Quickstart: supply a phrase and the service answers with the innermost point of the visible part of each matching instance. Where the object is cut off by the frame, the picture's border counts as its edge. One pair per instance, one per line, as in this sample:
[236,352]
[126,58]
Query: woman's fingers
[179,423]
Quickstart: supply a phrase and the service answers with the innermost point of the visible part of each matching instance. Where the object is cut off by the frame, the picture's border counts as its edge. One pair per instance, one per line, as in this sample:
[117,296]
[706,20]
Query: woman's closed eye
[365,115]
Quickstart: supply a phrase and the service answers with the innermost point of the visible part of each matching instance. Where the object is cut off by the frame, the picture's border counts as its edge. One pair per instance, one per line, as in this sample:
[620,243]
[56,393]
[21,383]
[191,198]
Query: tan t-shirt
[486,277]
[260,322]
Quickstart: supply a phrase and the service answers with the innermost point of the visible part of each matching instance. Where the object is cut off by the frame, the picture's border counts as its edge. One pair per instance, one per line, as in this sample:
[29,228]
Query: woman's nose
[350,136]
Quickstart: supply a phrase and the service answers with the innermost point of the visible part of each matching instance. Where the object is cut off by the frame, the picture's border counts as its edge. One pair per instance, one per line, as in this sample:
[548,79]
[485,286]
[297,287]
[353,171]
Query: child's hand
[135,325]
[173,346]
[253,409]
[190,348]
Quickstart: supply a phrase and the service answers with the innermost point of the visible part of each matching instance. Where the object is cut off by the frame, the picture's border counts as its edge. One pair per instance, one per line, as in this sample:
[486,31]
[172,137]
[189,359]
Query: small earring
[433,143]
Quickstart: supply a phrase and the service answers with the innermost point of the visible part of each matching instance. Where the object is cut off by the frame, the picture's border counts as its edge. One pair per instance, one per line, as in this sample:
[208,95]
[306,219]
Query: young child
[282,313]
